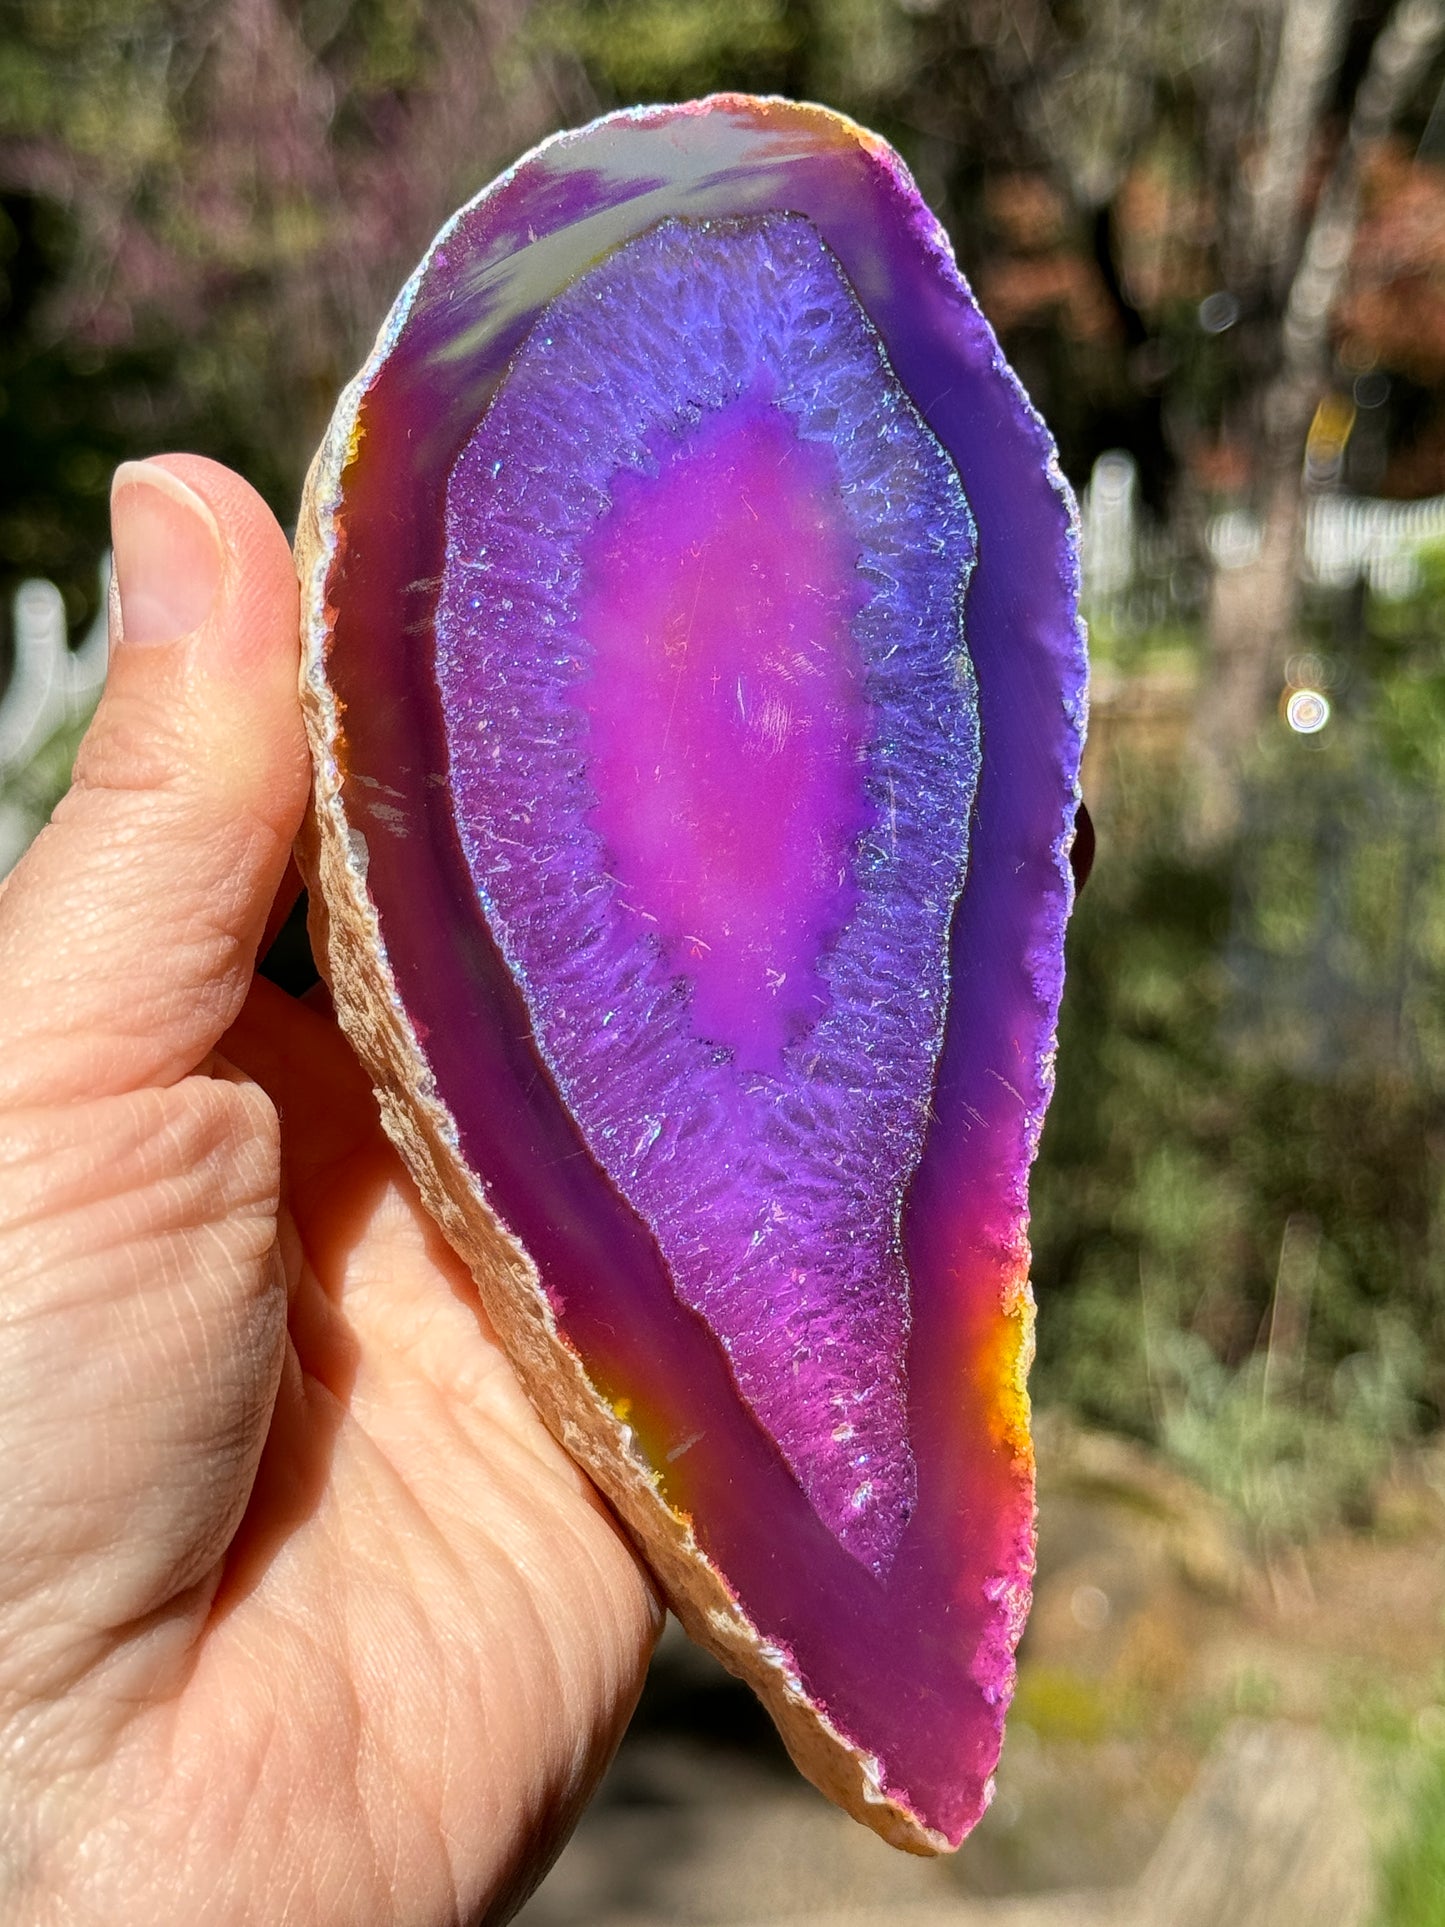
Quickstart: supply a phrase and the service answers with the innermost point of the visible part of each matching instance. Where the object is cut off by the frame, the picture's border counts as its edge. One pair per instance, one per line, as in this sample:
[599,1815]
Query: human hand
[303,1614]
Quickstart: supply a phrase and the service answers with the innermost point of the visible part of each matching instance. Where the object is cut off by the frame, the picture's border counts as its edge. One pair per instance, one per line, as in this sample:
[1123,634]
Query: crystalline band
[774,1189]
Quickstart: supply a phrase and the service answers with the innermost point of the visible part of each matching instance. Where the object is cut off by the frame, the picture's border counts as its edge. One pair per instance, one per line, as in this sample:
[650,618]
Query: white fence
[1347,538]
[50,685]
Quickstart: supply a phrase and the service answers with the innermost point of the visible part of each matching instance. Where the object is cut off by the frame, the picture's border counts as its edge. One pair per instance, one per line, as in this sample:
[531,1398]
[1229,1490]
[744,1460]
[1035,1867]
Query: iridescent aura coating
[698,692]
[713,747]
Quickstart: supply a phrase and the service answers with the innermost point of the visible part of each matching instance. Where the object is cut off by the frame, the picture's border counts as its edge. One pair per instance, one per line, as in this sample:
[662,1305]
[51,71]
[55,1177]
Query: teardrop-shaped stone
[696,687]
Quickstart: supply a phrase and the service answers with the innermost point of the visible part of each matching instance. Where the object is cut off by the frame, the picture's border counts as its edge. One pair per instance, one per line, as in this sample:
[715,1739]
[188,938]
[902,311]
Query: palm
[434,1573]
[375,1681]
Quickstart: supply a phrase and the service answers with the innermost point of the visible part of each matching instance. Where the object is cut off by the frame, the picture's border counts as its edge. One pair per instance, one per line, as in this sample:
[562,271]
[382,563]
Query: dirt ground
[1199,1737]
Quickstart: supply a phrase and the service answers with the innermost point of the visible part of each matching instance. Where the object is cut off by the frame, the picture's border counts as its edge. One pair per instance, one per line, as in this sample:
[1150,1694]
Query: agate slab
[696,691]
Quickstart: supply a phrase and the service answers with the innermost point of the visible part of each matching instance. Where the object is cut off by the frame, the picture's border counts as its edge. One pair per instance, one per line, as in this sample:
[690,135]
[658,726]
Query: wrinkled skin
[303,1615]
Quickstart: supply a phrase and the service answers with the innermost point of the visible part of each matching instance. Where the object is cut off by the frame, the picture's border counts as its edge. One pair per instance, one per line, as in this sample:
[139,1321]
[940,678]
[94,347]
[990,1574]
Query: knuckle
[141,1333]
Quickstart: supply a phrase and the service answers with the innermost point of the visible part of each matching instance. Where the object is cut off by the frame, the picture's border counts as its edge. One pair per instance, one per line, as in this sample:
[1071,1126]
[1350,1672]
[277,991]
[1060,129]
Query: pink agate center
[713,743]
[727,723]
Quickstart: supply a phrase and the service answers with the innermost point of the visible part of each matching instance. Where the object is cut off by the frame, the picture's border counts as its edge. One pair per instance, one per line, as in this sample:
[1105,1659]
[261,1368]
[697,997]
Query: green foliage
[862,56]
[1408,664]
[1057,1704]
[1286,1462]
[648,50]
[206,211]
[1413,1876]
[69,412]
[1239,1215]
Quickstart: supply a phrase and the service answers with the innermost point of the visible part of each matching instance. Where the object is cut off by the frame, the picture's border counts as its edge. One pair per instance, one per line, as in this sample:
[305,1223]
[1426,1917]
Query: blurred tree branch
[1294,259]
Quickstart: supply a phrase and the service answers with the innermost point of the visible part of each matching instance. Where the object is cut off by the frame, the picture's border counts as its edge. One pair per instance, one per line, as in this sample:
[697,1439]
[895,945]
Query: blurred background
[1212,240]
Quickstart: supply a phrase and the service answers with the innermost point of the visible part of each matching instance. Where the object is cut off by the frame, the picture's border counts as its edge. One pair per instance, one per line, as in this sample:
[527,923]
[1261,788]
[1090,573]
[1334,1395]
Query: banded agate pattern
[696,693]
[713,744]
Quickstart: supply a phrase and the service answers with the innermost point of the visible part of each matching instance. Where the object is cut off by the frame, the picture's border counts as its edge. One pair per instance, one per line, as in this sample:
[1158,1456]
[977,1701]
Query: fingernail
[167,567]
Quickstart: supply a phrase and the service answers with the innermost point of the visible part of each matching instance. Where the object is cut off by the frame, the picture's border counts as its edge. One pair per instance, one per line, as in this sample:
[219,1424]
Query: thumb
[128,932]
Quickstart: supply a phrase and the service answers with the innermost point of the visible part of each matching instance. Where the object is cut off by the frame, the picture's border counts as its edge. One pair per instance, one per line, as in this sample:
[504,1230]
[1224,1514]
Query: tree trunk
[1250,635]
[1252,611]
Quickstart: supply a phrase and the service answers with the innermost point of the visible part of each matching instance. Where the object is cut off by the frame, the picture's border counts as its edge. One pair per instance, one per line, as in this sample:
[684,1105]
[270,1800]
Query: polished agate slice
[728,633]
[696,691]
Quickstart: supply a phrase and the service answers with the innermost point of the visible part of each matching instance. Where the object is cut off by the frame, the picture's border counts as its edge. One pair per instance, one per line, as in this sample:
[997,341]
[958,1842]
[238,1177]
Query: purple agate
[900,1642]
[713,744]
